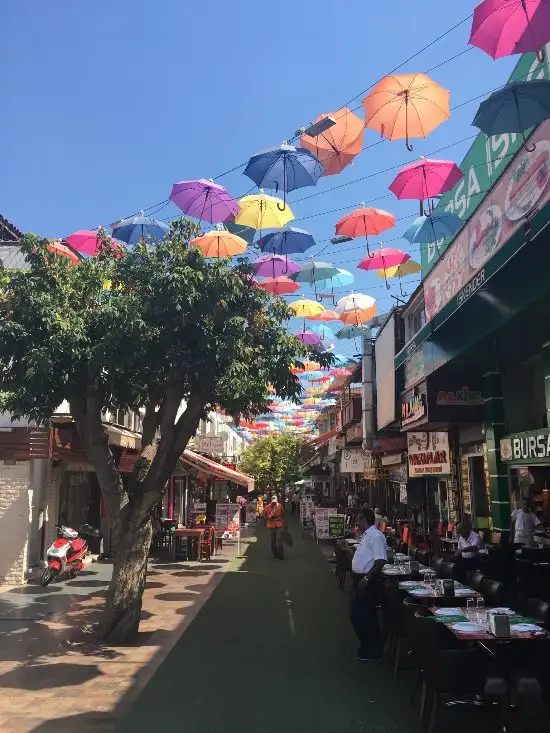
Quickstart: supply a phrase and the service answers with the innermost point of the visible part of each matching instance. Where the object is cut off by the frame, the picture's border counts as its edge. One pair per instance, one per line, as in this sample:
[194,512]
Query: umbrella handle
[529,148]
[369,253]
[283,207]
[541,55]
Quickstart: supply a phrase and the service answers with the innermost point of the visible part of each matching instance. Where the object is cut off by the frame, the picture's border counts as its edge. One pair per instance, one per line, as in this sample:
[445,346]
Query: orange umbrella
[219,244]
[365,221]
[357,317]
[325,315]
[337,147]
[279,285]
[406,105]
[62,249]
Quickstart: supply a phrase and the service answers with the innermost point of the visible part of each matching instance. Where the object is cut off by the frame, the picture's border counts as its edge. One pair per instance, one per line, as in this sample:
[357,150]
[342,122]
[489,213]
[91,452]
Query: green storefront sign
[337,526]
[482,166]
[526,449]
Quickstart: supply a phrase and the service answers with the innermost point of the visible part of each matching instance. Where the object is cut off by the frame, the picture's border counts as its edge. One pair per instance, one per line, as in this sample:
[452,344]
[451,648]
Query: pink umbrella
[506,27]
[88,241]
[426,178]
[308,337]
[274,266]
[204,200]
[383,258]
[340,372]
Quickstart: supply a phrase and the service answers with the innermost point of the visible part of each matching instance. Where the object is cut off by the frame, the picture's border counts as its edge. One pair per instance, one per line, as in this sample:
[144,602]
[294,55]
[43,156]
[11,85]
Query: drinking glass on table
[470,608]
[481,612]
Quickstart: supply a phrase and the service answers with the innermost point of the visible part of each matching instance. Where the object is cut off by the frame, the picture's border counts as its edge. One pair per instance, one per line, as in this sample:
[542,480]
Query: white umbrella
[354,302]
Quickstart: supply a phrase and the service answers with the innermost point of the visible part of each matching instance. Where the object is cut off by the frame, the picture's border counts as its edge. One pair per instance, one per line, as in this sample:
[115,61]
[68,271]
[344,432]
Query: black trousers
[364,619]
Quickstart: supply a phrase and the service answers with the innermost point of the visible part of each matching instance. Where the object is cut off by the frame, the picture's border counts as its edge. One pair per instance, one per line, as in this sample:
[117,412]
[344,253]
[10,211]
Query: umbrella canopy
[313,271]
[385,257]
[506,27]
[308,337]
[304,308]
[260,211]
[350,332]
[287,240]
[219,244]
[365,221]
[517,107]
[410,267]
[406,105]
[88,241]
[274,266]
[284,168]
[245,233]
[325,315]
[310,366]
[135,228]
[279,285]
[340,371]
[64,250]
[437,225]
[425,178]
[204,200]
[354,302]
[356,317]
[323,331]
[337,147]
[340,280]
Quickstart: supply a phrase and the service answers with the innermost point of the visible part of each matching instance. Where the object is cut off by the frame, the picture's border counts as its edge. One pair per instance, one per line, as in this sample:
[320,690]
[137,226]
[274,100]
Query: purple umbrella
[308,337]
[274,266]
[204,200]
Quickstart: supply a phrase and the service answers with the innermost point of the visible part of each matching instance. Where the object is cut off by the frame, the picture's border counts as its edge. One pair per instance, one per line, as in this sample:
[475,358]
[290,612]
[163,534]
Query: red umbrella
[279,285]
[88,241]
[61,249]
[365,221]
[425,178]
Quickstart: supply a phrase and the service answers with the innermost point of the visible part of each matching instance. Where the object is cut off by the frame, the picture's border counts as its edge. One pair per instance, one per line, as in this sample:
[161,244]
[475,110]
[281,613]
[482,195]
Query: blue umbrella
[313,271]
[135,228]
[284,168]
[286,241]
[340,280]
[519,106]
[430,228]
[350,332]
[323,331]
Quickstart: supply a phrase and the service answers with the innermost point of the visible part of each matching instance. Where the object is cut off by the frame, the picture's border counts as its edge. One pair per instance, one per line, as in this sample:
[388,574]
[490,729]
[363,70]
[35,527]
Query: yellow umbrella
[220,244]
[260,211]
[305,308]
[410,267]
[312,400]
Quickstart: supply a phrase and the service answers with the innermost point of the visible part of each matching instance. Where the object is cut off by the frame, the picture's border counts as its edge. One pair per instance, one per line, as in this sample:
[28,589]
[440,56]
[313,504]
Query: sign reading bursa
[527,448]
[428,454]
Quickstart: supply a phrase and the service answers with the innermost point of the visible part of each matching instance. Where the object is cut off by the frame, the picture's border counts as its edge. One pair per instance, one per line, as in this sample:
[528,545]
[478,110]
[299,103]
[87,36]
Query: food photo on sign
[428,454]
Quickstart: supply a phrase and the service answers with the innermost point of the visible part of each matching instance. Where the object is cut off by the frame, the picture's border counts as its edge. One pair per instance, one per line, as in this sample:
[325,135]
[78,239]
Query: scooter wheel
[47,576]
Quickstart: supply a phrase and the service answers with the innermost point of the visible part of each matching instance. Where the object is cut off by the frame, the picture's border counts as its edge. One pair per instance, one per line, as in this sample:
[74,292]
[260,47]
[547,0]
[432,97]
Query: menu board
[465,484]
[337,526]
[251,512]
[321,522]
[306,509]
[198,510]
[228,518]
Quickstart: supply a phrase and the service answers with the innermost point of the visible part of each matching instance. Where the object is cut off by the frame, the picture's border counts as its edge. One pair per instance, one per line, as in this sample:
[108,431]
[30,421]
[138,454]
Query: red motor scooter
[67,553]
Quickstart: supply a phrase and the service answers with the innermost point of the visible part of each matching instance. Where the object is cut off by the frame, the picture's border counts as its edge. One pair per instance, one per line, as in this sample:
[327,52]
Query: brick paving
[55,677]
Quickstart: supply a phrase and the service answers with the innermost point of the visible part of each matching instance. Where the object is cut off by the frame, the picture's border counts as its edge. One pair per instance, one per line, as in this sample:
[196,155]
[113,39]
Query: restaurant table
[195,535]
[401,571]
[484,635]
[425,594]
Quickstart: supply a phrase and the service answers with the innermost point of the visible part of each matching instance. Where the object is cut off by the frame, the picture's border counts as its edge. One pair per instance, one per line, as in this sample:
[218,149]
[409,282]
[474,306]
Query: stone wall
[15,521]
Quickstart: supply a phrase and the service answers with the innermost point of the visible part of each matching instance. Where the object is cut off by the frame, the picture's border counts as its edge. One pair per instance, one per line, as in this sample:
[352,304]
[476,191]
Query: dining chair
[475,580]
[494,592]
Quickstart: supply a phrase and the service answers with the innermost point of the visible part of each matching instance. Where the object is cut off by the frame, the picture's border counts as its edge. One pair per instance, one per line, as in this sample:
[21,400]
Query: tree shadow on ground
[154,584]
[84,723]
[49,676]
[30,589]
[190,574]
[87,583]
[177,596]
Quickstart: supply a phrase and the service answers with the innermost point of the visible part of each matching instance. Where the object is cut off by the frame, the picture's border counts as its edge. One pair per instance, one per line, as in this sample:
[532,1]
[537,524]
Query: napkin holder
[414,568]
[499,625]
[448,588]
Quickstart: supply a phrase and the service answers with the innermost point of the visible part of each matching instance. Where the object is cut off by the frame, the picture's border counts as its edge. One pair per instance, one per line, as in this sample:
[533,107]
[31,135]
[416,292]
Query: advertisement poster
[337,526]
[465,484]
[522,190]
[251,515]
[197,510]
[306,510]
[428,454]
[228,518]
[321,522]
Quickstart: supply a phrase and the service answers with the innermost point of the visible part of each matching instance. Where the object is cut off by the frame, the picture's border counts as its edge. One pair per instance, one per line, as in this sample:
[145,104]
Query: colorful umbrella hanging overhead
[410,267]
[308,337]
[356,308]
[304,308]
[219,244]
[260,211]
[279,285]
[506,27]
[425,179]
[64,250]
[274,266]
[313,271]
[284,168]
[382,259]
[89,241]
[519,106]
[351,332]
[135,228]
[406,105]
[364,222]
[325,315]
[287,240]
[337,147]
[341,279]
[204,200]
[431,228]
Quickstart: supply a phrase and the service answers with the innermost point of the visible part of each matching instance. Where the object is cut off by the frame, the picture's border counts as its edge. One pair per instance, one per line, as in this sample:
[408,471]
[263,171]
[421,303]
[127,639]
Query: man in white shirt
[469,545]
[524,523]
[368,561]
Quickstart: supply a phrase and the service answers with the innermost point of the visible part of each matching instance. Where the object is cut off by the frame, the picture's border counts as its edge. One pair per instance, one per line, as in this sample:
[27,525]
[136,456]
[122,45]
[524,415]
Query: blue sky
[108,103]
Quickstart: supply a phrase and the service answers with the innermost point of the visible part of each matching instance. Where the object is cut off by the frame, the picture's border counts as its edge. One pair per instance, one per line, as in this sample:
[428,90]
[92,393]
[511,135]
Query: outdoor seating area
[188,543]
[471,640]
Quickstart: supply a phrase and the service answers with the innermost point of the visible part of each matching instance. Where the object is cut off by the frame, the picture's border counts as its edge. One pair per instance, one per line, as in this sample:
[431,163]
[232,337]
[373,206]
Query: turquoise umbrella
[518,107]
[323,331]
[426,229]
[340,280]
[314,271]
[351,332]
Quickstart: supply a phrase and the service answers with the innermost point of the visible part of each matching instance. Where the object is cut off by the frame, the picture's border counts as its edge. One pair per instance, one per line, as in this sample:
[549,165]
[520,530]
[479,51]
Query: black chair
[451,672]
[494,592]
[436,562]
[445,570]
[475,580]
[424,557]
[539,609]
[343,566]
[413,553]
[405,632]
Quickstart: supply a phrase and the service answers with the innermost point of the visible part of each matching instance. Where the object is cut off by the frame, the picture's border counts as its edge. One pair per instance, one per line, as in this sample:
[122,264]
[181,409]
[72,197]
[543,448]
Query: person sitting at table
[469,545]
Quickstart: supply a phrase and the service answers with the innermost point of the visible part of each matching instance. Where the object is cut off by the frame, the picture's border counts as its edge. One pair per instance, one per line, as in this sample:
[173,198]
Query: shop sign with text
[413,408]
[354,460]
[462,397]
[526,448]
[209,444]
[428,454]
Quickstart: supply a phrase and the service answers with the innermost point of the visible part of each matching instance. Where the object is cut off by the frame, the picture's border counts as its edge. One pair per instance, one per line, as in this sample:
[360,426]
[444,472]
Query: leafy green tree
[274,461]
[154,328]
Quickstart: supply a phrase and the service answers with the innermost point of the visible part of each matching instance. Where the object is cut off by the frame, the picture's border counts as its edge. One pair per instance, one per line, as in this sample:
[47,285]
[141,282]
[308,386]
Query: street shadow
[30,589]
[190,574]
[154,584]
[87,583]
[83,723]
[177,596]
[49,676]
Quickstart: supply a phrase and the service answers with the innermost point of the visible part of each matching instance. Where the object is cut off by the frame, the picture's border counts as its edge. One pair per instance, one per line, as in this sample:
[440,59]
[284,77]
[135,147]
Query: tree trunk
[122,611]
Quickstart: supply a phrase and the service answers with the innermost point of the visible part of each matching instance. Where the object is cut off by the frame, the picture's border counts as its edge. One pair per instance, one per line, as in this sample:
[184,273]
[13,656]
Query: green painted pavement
[272,652]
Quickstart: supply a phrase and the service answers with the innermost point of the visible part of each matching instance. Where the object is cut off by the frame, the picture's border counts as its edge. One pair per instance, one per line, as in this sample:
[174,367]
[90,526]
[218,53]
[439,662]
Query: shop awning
[217,469]
[323,438]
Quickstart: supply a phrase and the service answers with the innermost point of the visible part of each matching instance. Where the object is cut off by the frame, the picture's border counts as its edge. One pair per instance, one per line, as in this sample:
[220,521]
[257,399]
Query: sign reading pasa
[428,454]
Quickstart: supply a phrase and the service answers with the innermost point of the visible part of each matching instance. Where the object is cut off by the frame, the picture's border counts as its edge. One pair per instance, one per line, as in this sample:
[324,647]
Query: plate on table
[422,592]
[409,584]
[505,611]
[466,626]
[423,571]
[527,627]
[464,592]
[448,612]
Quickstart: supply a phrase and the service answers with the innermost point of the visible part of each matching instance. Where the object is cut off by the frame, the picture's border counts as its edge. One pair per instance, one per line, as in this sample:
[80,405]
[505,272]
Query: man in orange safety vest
[275,524]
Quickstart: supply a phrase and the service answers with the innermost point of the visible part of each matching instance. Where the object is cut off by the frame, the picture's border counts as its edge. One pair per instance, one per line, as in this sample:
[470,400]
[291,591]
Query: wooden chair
[219,540]
[205,546]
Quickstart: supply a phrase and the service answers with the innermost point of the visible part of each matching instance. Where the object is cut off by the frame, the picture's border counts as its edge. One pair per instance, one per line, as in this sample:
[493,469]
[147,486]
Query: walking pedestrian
[368,561]
[523,525]
[275,524]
